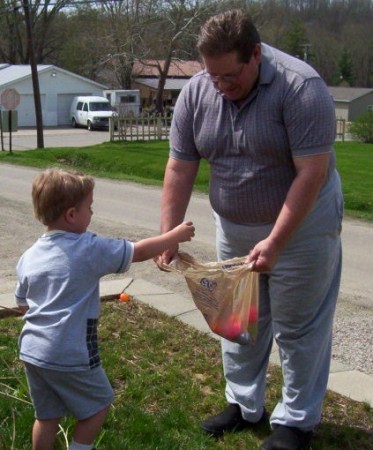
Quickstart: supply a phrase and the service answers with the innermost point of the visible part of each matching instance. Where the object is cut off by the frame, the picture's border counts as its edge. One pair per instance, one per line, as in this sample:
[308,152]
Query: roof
[13,73]
[172,84]
[348,94]
[178,68]
[10,74]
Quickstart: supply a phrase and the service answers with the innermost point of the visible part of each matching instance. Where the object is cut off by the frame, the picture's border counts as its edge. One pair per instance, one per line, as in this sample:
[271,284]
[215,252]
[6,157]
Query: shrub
[362,128]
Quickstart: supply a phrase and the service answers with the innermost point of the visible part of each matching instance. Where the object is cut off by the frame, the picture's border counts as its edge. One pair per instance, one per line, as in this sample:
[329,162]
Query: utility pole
[1,129]
[306,48]
[34,74]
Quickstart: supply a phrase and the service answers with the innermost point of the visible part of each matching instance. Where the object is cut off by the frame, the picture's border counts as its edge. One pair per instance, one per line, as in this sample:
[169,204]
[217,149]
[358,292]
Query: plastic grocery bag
[227,294]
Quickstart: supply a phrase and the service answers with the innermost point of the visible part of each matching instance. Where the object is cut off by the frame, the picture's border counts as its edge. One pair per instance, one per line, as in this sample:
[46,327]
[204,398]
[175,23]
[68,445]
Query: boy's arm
[151,247]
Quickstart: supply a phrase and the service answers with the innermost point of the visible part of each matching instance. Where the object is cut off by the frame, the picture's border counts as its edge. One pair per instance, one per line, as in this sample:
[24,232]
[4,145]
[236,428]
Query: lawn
[167,377]
[144,162]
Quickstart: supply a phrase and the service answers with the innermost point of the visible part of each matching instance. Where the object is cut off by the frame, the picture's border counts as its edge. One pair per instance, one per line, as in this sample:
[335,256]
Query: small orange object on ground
[124,297]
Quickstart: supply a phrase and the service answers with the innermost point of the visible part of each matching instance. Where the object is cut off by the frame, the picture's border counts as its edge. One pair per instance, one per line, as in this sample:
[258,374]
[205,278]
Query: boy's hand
[185,231]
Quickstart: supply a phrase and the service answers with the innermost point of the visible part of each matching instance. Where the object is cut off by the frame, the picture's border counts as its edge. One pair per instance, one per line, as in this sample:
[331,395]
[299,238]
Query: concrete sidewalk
[343,380]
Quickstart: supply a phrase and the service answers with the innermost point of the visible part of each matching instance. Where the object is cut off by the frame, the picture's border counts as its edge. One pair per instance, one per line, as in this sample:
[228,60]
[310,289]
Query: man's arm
[177,190]
[310,176]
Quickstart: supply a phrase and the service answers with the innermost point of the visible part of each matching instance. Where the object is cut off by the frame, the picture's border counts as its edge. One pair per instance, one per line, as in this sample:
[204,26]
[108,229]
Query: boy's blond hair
[56,190]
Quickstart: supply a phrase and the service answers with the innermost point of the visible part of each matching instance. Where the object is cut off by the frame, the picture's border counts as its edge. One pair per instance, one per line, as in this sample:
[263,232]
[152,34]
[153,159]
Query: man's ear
[257,53]
[70,215]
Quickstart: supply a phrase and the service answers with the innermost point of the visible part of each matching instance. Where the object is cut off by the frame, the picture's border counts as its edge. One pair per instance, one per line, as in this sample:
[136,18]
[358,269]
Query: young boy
[58,290]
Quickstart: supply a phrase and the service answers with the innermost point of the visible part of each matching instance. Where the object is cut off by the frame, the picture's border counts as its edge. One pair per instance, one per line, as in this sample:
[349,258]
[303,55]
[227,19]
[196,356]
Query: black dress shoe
[287,438]
[229,420]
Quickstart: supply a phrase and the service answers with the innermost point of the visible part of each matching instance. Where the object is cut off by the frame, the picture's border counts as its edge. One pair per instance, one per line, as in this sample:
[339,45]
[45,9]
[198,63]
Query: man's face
[233,79]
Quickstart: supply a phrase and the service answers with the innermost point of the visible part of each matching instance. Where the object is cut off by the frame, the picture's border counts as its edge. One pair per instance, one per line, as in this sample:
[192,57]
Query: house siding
[359,106]
[57,89]
[341,110]
[349,102]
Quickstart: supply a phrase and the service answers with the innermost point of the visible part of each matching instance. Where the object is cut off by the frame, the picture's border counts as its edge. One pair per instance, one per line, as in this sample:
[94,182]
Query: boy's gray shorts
[57,394]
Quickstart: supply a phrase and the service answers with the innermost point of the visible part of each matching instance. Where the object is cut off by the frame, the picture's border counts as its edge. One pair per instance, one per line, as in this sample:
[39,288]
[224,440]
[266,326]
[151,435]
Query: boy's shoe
[229,420]
[287,438]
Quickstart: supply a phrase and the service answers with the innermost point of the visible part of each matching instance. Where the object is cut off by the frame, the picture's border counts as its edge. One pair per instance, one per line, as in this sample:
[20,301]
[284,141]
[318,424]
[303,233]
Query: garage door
[26,110]
[63,108]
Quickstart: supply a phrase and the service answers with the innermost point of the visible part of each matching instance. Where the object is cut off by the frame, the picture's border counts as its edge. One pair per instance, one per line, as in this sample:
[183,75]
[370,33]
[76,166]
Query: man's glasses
[230,78]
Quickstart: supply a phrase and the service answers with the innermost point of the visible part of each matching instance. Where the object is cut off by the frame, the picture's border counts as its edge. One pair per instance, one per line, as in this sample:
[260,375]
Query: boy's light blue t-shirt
[58,279]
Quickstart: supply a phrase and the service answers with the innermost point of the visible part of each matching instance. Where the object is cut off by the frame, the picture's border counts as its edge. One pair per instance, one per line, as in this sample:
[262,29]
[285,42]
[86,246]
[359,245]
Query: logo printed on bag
[231,266]
[208,284]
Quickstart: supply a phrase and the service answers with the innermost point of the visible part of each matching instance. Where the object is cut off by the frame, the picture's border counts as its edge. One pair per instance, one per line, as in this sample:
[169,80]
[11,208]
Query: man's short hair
[54,191]
[230,31]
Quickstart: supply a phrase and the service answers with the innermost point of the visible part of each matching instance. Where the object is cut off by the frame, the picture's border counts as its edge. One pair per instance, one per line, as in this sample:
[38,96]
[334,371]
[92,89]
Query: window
[128,99]
[99,106]
[79,106]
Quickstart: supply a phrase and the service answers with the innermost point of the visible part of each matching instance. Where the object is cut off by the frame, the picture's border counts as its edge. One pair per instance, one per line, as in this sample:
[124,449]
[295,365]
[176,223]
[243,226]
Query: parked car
[91,111]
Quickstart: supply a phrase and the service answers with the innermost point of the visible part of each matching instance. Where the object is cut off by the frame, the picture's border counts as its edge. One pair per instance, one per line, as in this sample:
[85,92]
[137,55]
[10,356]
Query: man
[265,122]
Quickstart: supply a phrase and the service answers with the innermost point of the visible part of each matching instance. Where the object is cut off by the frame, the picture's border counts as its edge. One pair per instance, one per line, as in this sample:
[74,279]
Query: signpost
[10,100]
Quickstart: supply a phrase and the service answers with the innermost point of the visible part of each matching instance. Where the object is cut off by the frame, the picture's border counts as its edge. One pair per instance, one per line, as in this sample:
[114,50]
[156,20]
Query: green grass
[355,165]
[144,162]
[167,377]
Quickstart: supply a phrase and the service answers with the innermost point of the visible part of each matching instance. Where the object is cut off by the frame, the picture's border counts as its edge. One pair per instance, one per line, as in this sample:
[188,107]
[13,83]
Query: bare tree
[14,44]
[13,41]
[177,24]
[125,20]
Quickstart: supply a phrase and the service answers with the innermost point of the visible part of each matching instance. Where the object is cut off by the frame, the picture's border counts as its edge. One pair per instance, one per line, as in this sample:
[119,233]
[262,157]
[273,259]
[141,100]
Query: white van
[90,111]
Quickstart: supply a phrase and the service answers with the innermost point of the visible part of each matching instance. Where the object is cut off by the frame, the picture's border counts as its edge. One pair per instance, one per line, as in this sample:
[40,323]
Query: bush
[362,128]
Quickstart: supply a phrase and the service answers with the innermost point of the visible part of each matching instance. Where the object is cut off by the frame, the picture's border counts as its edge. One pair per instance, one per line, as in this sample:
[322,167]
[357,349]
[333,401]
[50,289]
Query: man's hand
[166,257]
[264,256]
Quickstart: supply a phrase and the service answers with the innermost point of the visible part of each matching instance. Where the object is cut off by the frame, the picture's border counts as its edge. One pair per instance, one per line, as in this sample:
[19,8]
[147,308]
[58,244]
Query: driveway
[26,138]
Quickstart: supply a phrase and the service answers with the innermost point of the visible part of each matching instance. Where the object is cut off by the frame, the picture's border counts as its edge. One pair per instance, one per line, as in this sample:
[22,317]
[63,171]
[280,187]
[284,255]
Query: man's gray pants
[297,305]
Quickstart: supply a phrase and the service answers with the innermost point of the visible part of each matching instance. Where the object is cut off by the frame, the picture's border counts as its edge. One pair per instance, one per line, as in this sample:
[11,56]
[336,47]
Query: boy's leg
[44,434]
[86,430]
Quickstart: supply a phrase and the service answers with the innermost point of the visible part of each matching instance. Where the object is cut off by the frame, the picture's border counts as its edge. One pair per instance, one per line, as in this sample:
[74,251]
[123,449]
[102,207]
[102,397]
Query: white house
[57,89]
[351,102]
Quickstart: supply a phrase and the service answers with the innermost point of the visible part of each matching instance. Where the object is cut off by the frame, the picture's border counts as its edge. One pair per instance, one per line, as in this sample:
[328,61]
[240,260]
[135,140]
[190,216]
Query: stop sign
[10,99]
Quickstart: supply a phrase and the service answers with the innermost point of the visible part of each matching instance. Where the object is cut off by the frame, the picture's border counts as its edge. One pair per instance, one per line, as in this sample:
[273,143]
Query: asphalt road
[139,206]
[134,205]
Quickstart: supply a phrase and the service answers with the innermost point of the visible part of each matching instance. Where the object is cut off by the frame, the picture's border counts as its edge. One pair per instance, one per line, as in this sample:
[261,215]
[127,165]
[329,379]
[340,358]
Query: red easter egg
[253,314]
[217,326]
[124,297]
[232,328]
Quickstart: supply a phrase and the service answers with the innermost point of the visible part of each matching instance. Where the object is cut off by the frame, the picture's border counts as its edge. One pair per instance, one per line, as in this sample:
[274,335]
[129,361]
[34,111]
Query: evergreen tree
[296,39]
[346,68]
